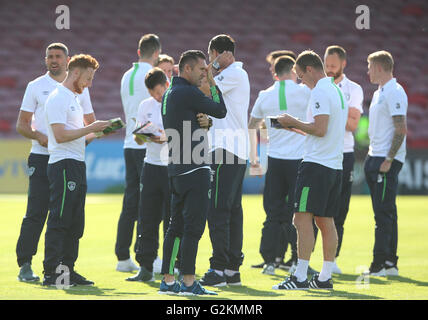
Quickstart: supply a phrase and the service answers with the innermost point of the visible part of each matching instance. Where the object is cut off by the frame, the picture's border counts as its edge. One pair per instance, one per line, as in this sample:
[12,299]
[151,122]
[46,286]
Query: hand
[99,125]
[159,139]
[385,166]
[225,59]
[286,121]
[256,169]
[204,121]
[42,139]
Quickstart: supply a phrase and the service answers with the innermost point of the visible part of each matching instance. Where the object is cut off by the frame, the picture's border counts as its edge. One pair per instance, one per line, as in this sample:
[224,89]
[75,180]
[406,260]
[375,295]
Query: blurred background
[110,31]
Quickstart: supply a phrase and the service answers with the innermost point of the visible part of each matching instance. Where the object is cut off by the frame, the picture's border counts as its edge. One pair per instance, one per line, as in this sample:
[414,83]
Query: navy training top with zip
[180,104]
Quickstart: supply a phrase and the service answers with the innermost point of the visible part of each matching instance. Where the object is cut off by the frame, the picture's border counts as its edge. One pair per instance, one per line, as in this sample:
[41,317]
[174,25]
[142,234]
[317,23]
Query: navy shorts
[318,190]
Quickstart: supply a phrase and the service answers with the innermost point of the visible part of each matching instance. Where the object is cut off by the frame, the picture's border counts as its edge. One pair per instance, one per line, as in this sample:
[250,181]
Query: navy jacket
[180,104]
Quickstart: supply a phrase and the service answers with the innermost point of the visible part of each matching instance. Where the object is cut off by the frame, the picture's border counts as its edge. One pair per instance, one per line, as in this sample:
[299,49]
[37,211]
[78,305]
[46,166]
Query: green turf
[97,260]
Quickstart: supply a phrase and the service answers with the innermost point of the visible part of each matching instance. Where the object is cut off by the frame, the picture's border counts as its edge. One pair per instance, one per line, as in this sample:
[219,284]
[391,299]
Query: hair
[155,77]
[272,56]
[148,45]
[164,58]
[309,58]
[83,61]
[57,45]
[383,58]
[283,64]
[190,57]
[221,43]
[341,52]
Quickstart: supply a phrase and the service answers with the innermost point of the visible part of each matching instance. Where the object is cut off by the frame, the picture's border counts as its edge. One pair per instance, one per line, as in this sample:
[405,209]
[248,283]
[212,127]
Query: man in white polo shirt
[320,174]
[285,152]
[387,153]
[229,154]
[31,125]
[133,91]
[67,171]
[335,63]
[154,186]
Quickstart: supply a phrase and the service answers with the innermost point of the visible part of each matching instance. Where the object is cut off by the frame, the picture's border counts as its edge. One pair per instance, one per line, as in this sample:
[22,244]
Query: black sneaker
[26,273]
[212,278]
[234,280]
[79,280]
[142,275]
[315,283]
[258,266]
[291,283]
[49,279]
[287,265]
[376,270]
[312,272]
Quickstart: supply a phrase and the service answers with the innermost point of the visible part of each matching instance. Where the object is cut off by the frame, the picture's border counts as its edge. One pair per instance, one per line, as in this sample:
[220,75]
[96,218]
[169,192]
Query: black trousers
[278,201]
[383,191]
[225,217]
[345,196]
[37,208]
[190,200]
[154,204]
[134,159]
[66,221]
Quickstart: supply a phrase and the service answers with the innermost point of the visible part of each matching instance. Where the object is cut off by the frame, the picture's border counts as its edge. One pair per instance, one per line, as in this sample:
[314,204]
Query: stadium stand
[110,30]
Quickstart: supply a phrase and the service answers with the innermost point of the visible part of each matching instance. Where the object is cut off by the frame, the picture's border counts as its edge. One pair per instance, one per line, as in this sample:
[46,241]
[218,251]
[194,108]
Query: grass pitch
[97,260]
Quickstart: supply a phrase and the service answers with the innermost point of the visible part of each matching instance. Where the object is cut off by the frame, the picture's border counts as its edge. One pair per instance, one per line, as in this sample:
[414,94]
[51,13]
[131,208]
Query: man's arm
[400,131]
[253,126]
[62,135]
[353,118]
[23,127]
[89,118]
[317,128]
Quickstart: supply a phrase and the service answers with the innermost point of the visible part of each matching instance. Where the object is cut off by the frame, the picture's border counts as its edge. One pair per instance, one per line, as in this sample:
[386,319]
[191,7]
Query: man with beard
[67,172]
[31,125]
[335,63]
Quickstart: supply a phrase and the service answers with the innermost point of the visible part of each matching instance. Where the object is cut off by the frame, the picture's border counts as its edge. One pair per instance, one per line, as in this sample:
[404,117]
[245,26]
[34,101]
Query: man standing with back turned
[387,152]
[319,177]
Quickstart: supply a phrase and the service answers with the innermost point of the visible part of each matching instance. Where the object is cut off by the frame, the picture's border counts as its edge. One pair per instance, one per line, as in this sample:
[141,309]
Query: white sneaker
[269,269]
[336,269]
[157,265]
[126,266]
[391,271]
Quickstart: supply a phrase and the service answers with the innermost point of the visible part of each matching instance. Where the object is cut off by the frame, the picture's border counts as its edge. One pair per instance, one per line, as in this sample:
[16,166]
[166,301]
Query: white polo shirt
[388,101]
[34,100]
[283,97]
[354,95]
[150,110]
[231,132]
[327,98]
[63,106]
[133,90]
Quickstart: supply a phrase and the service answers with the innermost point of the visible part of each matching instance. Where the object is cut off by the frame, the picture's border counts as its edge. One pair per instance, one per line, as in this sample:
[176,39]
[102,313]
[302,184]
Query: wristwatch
[216,65]
[389,159]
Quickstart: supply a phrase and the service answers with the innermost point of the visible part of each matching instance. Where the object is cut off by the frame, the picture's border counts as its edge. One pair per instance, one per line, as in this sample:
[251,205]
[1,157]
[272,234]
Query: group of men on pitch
[308,179]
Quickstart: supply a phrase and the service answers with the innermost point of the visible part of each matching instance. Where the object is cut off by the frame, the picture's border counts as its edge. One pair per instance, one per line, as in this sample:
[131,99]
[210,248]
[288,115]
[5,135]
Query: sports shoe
[195,290]
[391,268]
[258,266]
[142,275]
[315,283]
[287,265]
[79,280]
[291,283]
[336,269]
[376,270]
[50,280]
[234,280]
[157,265]
[212,278]
[126,266]
[26,273]
[269,269]
[169,289]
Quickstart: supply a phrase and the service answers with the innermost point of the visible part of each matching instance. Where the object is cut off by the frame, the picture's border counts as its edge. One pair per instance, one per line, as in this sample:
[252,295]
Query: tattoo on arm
[399,134]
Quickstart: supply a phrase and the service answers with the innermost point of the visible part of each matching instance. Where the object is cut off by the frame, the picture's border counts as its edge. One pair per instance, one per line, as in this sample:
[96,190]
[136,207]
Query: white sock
[220,273]
[325,273]
[301,270]
[230,273]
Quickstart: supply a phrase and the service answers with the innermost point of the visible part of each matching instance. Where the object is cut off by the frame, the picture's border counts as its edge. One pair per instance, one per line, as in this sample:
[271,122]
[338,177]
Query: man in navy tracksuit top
[188,169]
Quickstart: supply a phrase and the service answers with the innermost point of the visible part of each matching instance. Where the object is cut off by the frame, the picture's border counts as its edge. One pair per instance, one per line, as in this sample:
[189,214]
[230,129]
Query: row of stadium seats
[110,30]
